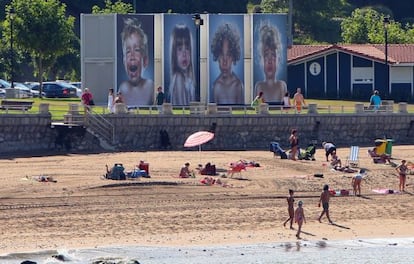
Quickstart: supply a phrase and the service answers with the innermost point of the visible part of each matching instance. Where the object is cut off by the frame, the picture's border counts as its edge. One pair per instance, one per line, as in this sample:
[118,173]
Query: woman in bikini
[402,171]
[293,140]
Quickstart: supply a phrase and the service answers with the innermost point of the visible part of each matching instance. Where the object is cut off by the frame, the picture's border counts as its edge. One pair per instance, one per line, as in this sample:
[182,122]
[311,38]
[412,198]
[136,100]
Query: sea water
[367,251]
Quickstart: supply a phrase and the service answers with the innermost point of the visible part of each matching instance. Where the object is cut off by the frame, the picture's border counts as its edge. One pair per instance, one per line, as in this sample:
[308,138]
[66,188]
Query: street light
[386,22]
[198,21]
[11,15]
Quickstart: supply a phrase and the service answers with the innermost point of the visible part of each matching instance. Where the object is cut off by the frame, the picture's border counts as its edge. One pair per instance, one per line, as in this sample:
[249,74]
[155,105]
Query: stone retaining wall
[33,133]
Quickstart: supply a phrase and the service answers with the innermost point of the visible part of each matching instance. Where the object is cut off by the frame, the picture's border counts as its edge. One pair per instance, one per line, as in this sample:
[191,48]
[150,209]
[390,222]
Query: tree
[314,20]
[366,26]
[118,7]
[42,29]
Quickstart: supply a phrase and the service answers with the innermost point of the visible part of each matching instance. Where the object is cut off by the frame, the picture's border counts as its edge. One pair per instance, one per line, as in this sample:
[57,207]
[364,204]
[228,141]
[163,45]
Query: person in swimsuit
[293,140]
[356,182]
[291,210]
[299,218]
[402,172]
[298,100]
[324,200]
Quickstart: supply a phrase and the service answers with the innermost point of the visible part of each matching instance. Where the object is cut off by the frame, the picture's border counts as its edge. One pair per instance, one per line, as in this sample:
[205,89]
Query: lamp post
[198,21]
[386,21]
[11,14]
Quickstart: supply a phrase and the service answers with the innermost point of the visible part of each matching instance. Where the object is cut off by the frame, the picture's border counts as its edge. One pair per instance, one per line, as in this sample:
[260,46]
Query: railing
[61,112]
[98,124]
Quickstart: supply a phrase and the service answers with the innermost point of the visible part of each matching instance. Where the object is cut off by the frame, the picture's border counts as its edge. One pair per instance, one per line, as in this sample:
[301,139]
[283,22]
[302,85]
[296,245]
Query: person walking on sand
[324,200]
[402,172]
[299,218]
[291,210]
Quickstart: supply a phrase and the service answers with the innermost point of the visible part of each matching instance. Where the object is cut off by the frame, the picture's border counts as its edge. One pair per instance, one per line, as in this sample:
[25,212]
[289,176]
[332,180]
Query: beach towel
[385,191]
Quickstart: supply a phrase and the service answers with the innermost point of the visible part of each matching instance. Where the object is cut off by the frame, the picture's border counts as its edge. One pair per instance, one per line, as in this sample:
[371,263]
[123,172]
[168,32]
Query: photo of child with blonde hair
[137,90]
[182,86]
[269,50]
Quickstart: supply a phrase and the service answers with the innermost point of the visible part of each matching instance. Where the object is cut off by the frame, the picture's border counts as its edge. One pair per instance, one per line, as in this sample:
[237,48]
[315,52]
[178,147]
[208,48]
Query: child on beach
[402,172]
[136,90]
[182,73]
[324,200]
[299,218]
[225,47]
[270,51]
[291,210]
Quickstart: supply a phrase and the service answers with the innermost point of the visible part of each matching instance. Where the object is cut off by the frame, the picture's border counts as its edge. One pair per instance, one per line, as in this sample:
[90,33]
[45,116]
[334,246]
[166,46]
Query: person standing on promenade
[324,200]
[291,209]
[298,100]
[402,172]
[87,100]
[299,218]
[111,100]
[375,100]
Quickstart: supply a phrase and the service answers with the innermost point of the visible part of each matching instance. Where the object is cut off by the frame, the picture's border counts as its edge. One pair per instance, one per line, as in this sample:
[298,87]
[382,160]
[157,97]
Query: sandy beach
[82,210]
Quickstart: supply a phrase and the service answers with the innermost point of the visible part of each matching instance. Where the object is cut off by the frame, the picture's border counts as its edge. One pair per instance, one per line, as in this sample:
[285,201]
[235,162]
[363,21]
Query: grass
[58,107]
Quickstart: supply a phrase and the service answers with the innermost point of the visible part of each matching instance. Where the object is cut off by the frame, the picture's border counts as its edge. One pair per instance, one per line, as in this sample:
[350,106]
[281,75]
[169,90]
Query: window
[363,75]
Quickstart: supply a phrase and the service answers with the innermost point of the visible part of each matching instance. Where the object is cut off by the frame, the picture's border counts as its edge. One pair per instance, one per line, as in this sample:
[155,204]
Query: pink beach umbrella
[198,138]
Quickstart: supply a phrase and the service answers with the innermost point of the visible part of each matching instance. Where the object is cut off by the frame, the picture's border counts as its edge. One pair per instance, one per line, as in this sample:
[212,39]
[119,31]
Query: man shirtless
[298,100]
[324,200]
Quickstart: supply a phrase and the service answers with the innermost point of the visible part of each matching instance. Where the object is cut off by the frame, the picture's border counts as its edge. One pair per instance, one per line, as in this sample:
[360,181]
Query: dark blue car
[58,90]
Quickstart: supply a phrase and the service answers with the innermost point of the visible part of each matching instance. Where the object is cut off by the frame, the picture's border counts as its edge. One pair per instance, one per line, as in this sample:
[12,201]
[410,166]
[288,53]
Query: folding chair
[353,158]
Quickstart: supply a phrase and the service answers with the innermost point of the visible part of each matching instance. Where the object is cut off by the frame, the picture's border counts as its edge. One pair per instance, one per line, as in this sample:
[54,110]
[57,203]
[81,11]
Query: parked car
[22,91]
[34,92]
[57,90]
[4,84]
[79,86]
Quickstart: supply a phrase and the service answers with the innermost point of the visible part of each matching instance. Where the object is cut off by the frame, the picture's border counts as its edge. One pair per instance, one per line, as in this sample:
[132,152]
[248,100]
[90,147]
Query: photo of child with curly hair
[226,50]
[137,90]
[182,84]
[270,49]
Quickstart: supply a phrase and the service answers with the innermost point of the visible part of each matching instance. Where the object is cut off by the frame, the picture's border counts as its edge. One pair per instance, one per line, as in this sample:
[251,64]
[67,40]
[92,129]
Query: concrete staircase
[96,124]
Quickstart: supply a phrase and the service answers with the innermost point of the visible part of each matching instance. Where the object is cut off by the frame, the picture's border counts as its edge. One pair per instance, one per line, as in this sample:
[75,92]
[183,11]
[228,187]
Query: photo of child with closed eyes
[226,50]
[270,52]
[182,88]
[137,90]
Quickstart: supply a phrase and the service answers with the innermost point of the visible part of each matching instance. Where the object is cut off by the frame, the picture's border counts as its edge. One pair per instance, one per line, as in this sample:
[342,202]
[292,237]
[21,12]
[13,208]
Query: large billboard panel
[180,62]
[270,56]
[226,62]
[135,59]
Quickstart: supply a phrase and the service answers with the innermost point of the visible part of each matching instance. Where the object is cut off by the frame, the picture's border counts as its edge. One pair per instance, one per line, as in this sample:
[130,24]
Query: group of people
[298,100]
[298,215]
